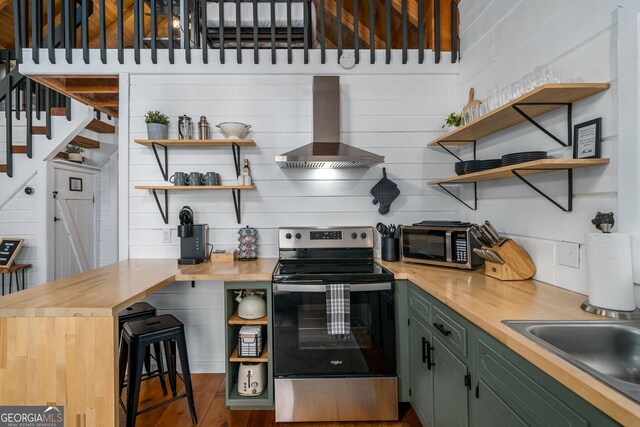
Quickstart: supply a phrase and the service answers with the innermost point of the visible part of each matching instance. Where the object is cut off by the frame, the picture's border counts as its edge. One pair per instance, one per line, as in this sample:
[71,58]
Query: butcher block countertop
[108,290]
[486,302]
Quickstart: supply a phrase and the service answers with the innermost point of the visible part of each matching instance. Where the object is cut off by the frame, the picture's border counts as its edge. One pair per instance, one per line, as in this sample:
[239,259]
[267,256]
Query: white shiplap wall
[393,115]
[503,40]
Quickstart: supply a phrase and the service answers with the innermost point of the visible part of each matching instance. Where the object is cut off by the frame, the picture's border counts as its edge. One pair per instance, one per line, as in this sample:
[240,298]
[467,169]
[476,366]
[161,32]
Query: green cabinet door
[491,411]
[421,375]
[450,392]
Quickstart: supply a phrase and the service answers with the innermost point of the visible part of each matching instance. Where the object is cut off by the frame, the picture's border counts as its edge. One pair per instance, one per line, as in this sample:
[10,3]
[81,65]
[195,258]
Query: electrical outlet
[166,235]
[568,254]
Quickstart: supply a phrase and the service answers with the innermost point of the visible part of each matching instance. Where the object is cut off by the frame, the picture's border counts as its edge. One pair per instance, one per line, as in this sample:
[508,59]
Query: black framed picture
[9,249]
[586,139]
[75,184]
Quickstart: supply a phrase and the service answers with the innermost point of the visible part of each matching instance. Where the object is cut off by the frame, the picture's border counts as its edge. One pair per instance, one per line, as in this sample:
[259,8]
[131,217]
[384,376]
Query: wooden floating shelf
[506,116]
[195,187]
[264,356]
[237,320]
[197,142]
[528,168]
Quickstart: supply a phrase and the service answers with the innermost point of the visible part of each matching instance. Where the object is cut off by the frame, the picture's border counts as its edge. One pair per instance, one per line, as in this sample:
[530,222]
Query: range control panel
[325,237]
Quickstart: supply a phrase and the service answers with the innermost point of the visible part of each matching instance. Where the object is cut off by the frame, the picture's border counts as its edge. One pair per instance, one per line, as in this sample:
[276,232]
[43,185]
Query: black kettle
[185,229]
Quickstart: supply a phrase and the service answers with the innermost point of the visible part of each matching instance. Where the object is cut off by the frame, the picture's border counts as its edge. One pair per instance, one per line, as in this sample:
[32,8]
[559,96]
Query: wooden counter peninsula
[59,341]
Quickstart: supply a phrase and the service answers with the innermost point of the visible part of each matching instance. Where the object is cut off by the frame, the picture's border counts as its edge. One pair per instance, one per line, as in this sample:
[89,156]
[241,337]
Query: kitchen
[395,113]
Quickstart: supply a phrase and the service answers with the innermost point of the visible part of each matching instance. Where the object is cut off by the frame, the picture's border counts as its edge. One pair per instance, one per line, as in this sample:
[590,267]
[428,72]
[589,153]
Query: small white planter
[157,131]
[449,128]
[75,157]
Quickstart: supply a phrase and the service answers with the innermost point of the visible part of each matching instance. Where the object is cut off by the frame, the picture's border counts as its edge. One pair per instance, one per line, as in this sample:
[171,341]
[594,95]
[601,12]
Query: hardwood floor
[209,390]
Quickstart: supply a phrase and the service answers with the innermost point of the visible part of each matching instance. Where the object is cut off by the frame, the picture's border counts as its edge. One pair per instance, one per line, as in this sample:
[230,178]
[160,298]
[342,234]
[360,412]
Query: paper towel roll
[609,271]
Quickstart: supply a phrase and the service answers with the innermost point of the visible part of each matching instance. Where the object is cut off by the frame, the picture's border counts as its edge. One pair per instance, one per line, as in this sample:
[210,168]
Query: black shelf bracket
[164,168]
[236,203]
[455,155]
[163,212]
[569,106]
[475,196]
[235,149]
[569,207]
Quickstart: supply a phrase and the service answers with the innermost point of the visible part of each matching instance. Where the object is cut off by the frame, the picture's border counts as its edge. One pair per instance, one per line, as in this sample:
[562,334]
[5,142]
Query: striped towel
[338,310]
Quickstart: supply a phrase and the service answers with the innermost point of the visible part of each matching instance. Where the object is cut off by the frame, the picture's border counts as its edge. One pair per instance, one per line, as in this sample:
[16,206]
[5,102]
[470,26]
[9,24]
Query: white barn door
[76,222]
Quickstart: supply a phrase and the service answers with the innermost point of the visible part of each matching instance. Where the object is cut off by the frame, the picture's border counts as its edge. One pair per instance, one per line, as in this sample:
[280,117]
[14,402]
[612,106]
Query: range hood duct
[326,150]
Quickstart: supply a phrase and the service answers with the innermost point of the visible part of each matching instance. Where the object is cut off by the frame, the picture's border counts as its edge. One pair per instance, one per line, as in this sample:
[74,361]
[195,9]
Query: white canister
[609,271]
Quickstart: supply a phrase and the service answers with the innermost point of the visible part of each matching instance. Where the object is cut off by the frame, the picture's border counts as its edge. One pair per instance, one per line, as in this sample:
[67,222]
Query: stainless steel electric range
[328,377]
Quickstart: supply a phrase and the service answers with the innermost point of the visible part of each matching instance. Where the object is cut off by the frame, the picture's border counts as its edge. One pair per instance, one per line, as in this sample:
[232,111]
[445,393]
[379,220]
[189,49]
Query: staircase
[37,124]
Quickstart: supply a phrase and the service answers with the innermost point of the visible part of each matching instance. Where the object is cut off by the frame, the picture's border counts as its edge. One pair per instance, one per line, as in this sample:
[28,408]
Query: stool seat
[165,324]
[137,310]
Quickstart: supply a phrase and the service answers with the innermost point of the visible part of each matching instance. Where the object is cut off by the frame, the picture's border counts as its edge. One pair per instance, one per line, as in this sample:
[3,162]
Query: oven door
[303,347]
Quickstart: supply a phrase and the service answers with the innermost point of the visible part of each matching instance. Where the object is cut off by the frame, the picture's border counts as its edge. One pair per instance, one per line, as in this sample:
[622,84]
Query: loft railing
[19,95]
[223,27]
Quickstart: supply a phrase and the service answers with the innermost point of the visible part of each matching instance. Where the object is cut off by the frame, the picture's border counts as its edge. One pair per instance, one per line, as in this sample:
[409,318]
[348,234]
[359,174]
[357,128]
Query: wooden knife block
[518,265]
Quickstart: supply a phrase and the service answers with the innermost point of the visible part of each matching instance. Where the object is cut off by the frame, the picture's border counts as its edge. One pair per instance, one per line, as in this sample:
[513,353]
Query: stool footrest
[156,406]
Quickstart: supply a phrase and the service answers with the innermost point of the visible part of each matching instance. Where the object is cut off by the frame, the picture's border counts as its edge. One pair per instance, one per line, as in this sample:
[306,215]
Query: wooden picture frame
[75,184]
[9,253]
[586,139]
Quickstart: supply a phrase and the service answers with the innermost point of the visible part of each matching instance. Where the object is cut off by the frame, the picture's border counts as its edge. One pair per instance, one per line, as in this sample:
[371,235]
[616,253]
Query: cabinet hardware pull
[424,349]
[429,348]
[467,381]
[440,327]
[478,391]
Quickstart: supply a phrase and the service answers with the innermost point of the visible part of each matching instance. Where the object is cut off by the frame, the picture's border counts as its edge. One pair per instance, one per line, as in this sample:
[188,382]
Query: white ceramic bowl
[234,129]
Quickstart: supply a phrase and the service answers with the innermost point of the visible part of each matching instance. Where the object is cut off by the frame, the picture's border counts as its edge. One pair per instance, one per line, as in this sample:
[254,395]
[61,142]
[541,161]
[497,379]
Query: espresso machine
[194,239]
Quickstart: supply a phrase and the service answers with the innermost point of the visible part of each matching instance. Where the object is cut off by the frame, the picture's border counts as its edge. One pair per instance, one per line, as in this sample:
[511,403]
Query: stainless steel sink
[608,350]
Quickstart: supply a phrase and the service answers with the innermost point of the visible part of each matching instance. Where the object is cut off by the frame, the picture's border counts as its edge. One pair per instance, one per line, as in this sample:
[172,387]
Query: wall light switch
[166,235]
[568,254]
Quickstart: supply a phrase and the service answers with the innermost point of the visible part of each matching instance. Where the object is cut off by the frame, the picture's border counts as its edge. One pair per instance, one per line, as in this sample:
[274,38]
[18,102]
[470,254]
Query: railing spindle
[323,45]
[154,31]
[120,19]
[36,89]
[356,33]
[307,39]
[404,31]
[454,31]
[67,106]
[136,30]
[24,27]
[339,27]
[372,32]
[29,114]
[17,24]
[387,12]
[256,54]
[420,31]
[103,33]
[436,29]
[36,31]
[17,92]
[47,110]
[170,32]
[273,31]
[51,30]
[205,32]
[85,32]
[68,31]
[221,29]
[289,40]
[186,31]
[238,33]
[9,122]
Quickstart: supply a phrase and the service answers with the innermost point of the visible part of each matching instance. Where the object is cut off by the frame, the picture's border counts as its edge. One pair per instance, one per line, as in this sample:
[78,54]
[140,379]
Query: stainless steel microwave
[445,246]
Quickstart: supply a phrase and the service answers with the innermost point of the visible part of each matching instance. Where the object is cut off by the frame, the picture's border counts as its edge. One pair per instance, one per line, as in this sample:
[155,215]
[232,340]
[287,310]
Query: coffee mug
[179,179]
[194,179]
[210,178]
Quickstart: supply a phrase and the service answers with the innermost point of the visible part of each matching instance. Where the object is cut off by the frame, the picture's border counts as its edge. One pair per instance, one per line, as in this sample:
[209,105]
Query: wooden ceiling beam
[348,21]
[96,85]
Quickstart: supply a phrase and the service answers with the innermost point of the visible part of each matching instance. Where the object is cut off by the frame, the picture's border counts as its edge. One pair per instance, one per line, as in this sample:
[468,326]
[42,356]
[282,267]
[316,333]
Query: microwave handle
[359,287]
[447,246]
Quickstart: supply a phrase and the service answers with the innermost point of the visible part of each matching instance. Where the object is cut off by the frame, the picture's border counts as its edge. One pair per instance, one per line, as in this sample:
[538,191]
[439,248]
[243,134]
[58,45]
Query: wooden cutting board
[472,102]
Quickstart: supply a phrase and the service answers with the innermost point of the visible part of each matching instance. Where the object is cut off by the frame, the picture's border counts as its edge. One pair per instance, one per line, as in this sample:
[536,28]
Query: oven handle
[358,287]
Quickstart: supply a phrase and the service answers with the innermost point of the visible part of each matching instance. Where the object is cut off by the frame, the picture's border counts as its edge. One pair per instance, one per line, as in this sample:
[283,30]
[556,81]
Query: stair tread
[39,130]
[99,126]
[84,142]
[19,149]
[3,168]
[58,111]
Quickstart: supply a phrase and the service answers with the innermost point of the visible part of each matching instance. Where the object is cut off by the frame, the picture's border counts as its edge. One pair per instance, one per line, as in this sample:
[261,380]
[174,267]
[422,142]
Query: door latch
[56,219]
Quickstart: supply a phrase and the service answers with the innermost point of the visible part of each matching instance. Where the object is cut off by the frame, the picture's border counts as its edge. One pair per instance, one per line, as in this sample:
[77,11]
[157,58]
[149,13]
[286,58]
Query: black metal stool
[143,310]
[137,335]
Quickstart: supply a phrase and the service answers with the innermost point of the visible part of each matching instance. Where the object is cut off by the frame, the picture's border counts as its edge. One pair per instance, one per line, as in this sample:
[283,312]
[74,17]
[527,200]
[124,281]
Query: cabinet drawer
[450,332]
[419,305]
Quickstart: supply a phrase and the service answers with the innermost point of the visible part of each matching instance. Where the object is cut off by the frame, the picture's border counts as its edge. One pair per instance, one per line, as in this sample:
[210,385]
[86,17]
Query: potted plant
[74,153]
[157,125]
[452,122]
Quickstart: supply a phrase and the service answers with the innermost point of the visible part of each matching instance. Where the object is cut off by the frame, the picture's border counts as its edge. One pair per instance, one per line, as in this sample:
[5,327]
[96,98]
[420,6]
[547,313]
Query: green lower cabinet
[450,392]
[491,411]
[421,377]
